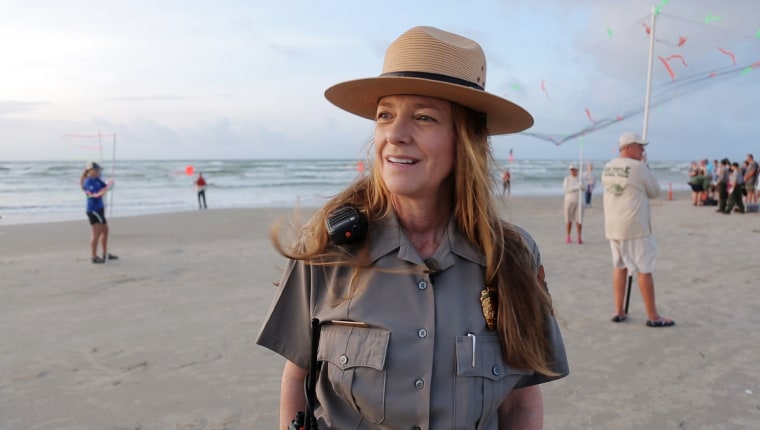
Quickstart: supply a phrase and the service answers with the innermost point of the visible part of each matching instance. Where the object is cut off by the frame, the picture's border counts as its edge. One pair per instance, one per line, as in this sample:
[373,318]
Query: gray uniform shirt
[425,360]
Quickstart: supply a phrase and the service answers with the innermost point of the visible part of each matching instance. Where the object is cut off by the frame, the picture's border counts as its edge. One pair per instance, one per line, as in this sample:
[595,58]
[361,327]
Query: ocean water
[41,191]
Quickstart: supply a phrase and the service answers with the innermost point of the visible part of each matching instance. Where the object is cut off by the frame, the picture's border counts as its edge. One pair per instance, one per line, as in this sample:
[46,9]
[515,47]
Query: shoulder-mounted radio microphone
[346,225]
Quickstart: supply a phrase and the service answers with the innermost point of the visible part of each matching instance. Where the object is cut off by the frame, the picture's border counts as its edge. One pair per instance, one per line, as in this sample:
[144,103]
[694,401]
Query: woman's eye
[382,115]
[425,118]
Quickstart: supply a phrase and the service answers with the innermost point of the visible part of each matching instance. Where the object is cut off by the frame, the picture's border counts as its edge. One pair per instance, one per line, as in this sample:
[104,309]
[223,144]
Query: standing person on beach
[628,187]
[572,185]
[438,317]
[506,180]
[736,184]
[696,184]
[589,183]
[95,188]
[200,186]
[721,184]
[750,179]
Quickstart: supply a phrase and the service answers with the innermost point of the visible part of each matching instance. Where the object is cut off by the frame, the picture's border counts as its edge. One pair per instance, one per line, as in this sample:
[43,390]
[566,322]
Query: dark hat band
[434,77]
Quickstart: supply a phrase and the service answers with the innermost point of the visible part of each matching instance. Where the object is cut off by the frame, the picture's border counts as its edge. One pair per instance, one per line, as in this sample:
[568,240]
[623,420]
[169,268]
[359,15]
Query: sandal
[660,322]
[98,260]
[619,318]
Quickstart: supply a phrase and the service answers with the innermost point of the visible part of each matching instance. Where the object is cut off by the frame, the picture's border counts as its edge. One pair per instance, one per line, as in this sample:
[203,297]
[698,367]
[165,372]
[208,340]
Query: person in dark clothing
[737,189]
[721,184]
[95,188]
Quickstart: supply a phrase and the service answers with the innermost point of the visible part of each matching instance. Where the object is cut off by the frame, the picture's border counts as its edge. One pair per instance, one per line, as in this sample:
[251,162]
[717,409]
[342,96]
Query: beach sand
[163,338]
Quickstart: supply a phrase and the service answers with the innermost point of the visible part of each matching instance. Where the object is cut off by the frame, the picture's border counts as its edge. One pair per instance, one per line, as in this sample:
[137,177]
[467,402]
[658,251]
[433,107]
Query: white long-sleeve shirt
[572,185]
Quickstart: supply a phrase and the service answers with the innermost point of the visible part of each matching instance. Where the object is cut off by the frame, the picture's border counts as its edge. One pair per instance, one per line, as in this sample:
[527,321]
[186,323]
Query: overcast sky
[245,78]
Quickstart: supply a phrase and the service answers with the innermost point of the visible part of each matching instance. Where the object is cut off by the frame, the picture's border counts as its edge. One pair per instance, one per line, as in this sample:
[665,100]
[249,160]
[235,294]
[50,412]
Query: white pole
[100,146]
[646,124]
[113,176]
[110,192]
[580,178]
[649,75]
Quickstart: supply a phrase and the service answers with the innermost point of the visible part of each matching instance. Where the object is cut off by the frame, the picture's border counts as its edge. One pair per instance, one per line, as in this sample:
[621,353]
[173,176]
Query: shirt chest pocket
[483,380]
[354,360]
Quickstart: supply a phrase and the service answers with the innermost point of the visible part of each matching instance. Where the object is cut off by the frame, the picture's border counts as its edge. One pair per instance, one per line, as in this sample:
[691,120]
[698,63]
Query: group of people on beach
[729,185]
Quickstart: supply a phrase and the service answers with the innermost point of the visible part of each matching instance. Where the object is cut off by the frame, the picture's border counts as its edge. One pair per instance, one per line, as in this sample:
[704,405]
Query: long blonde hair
[84,176]
[523,304]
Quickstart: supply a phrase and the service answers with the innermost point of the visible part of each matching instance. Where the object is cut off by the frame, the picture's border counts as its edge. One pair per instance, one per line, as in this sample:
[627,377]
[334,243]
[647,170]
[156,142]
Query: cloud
[11,107]
[155,98]
[246,79]
[288,51]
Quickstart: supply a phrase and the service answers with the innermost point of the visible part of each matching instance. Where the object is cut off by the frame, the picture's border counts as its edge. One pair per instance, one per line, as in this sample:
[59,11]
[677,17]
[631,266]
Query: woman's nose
[398,132]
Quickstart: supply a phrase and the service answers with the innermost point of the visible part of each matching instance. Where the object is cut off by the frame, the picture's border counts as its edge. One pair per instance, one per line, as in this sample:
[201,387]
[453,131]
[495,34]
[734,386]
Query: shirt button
[422,333]
[496,371]
[419,384]
[422,285]
[343,359]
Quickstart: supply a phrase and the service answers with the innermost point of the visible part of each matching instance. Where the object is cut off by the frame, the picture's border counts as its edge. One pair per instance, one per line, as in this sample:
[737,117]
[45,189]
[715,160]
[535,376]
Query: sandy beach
[163,338]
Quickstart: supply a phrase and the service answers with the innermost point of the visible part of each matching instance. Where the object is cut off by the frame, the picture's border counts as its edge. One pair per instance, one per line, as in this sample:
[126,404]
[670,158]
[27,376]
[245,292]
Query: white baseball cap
[629,138]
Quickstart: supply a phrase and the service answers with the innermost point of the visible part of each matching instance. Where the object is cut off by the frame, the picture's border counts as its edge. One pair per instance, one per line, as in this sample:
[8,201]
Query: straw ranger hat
[426,61]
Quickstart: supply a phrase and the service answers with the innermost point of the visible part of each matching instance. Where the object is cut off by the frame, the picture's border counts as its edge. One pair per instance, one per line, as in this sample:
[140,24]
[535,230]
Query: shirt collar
[386,236]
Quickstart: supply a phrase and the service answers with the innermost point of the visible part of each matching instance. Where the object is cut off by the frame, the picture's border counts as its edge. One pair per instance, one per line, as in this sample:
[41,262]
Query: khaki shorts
[571,211]
[638,255]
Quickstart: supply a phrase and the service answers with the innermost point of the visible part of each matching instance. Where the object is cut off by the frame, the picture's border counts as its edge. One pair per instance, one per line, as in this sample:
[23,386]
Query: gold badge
[488,302]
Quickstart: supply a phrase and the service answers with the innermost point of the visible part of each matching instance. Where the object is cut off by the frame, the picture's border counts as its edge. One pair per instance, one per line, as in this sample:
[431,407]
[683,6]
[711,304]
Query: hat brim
[645,143]
[361,96]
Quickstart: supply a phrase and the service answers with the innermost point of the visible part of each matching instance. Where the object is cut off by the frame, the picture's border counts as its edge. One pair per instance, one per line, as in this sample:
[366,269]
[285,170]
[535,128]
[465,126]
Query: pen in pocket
[474,338]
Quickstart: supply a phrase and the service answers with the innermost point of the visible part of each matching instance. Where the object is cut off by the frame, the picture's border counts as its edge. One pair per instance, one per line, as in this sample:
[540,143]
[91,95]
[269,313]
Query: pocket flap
[348,347]
[488,361]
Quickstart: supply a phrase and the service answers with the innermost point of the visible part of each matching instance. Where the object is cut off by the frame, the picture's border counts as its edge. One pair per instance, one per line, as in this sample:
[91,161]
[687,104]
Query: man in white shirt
[628,186]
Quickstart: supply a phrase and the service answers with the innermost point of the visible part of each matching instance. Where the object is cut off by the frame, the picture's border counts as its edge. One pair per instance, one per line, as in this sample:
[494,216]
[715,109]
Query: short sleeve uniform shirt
[425,358]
